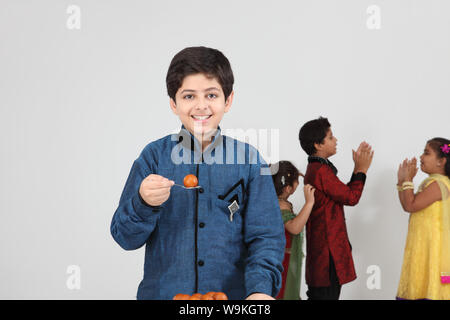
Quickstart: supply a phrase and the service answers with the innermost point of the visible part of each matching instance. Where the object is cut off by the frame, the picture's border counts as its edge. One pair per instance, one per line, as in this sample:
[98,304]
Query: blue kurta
[193,241]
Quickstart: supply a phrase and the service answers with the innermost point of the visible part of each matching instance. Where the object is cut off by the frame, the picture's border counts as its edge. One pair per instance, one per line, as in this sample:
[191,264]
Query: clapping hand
[401,173]
[407,170]
[362,157]
[412,169]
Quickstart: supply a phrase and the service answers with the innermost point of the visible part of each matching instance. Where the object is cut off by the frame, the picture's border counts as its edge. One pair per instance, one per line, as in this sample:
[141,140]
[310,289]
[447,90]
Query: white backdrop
[82,91]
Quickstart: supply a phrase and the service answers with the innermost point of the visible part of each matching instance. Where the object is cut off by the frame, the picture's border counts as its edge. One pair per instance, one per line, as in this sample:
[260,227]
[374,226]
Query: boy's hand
[155,189]
[362,157]
[308,190]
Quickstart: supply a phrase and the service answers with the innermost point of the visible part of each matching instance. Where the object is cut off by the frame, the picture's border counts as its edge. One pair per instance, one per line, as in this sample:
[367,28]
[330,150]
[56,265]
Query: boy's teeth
[201,117]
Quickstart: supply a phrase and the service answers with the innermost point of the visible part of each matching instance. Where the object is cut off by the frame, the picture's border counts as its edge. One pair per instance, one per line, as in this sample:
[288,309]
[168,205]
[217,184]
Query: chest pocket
[232,202]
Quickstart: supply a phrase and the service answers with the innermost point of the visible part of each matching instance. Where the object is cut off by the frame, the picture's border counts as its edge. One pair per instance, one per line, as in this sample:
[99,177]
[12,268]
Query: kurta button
[201,225]
[201,263]
[201,190]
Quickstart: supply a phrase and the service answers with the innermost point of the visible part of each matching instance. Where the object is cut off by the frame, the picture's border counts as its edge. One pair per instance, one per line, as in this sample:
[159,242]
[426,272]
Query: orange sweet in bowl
[198,296]
[220,296]
[181,296]
[208,296]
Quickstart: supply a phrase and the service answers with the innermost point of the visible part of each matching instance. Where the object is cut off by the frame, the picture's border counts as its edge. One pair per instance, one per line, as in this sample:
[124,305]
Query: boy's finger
[159,192]
[160,184]
[154,177]
[359,147]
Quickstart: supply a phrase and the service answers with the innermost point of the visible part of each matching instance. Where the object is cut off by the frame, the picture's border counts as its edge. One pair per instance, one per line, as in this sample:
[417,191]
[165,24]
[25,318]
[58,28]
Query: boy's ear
[173,106]
[229,101]
[318,146]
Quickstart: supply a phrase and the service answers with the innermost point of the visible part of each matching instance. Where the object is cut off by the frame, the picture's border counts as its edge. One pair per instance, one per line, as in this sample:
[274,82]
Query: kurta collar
[323,161]
[190,142]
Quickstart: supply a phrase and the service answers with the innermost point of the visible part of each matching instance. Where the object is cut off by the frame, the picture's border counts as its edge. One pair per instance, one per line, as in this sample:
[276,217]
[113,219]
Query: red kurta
[326,231]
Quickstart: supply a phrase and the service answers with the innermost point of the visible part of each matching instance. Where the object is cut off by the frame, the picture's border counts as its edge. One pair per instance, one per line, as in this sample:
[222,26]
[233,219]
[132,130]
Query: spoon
[186,187]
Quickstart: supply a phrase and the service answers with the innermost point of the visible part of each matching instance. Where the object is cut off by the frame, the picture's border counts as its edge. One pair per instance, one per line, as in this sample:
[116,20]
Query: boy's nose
[202,104]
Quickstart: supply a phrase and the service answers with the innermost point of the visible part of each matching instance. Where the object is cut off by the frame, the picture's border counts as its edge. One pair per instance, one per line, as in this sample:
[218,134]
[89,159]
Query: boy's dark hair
[286,170]
[192,60]
[313,131]
[436,144]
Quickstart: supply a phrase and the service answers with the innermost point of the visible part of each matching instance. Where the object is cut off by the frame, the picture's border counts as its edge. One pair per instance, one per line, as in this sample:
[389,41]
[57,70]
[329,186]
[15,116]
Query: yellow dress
[422,262]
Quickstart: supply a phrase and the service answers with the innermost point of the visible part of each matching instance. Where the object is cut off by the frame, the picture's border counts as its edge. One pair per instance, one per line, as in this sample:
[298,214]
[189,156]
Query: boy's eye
[188,96]
[212,96]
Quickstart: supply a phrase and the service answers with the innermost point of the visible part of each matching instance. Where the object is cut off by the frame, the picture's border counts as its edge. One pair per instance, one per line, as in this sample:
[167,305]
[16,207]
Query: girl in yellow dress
[426,262]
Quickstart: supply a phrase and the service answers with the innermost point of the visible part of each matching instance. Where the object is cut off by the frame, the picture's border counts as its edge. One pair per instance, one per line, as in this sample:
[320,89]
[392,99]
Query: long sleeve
[264,236]
[345,194]
[134,220]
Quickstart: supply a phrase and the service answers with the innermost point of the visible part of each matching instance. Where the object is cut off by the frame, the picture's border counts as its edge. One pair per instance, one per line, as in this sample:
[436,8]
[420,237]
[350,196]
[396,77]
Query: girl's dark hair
[437,145]
[286,170]
[312,132]
[192,60]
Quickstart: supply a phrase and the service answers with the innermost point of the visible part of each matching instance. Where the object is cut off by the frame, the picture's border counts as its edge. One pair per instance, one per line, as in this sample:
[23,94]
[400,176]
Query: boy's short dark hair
[313,131]
[192,60]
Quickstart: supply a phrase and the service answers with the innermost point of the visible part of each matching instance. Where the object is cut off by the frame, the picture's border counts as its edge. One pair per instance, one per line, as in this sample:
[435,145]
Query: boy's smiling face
[200,104]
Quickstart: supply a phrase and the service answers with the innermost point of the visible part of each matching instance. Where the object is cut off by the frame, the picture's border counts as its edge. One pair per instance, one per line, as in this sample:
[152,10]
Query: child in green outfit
[286,181]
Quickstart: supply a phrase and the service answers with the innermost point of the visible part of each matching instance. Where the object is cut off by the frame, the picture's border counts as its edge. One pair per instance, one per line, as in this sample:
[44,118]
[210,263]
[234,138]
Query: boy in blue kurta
[225,236]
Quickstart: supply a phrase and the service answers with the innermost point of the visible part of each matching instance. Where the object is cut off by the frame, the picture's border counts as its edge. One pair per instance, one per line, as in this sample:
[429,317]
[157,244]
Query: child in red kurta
[329,262]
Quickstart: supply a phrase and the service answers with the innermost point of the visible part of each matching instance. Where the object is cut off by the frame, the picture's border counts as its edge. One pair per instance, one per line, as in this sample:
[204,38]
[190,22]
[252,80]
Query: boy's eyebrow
[212,88]
[208,89]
